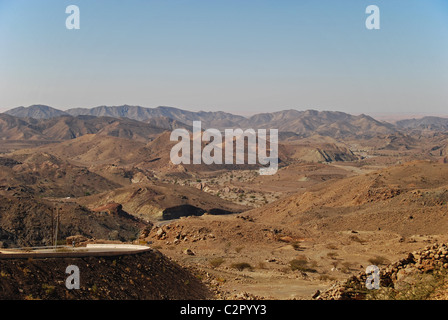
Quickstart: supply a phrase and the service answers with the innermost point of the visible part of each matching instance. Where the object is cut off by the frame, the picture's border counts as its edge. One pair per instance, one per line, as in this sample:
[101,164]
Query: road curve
[89,250]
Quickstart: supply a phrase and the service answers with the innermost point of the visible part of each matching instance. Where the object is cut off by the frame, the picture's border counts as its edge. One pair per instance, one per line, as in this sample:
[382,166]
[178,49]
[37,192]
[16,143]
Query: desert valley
[350,191]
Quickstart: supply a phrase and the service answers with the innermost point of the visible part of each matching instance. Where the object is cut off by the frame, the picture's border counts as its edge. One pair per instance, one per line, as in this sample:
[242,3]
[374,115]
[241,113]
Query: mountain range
[430,123]
[44,123]
[303,123]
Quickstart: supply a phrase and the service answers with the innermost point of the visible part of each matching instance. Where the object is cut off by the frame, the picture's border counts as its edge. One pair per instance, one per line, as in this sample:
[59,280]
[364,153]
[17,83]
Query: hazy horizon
[384,116]
[238,57]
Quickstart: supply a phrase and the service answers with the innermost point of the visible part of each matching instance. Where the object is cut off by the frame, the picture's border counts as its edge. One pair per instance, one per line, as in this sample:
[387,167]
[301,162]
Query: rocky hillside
[43,174]
[429,123]
[154,200]
[144,276]
[67,127]
[36,112]
[407,199]
[420,275]
[211,119]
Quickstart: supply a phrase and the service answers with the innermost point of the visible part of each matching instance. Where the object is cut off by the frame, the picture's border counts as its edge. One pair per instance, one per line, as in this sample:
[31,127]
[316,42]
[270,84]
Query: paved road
[62,252]
[164,222]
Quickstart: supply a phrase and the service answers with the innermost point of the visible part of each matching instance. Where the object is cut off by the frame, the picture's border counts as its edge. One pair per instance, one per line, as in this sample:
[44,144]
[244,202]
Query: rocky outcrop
[431,259]
[176,234]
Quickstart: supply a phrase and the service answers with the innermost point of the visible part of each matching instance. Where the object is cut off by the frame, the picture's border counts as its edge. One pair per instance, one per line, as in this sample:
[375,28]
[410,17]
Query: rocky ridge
[432,260]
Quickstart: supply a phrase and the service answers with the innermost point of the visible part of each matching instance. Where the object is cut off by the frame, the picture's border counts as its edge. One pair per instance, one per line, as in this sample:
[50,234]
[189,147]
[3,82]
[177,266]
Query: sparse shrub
[356,239]
[222,280]
[240,266]
[378,261]
[238,249]
[332,255]
[216,262]
[326,277]
[25,271]
[346,267]
[301,265]
[48,288]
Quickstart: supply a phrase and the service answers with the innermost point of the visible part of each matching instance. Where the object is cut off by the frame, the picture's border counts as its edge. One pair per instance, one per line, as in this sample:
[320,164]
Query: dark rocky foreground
[143,276]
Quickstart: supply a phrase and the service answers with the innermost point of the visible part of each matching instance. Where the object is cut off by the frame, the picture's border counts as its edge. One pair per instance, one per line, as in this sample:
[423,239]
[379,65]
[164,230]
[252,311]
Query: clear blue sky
[239,56]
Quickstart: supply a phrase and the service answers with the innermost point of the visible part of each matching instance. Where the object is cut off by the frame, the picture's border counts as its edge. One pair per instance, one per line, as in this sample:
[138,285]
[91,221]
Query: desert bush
[326,277]
[48,288]
[378,261]
[227,246]
[240,266]
[346,267]
[332,255]
[216,262]
[356,239]
[301,265]
[296,246]
[332,246]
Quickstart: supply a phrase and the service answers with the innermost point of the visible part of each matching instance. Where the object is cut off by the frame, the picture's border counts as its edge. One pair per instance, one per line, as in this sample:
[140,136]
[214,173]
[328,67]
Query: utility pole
[52,225]
[57,226]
